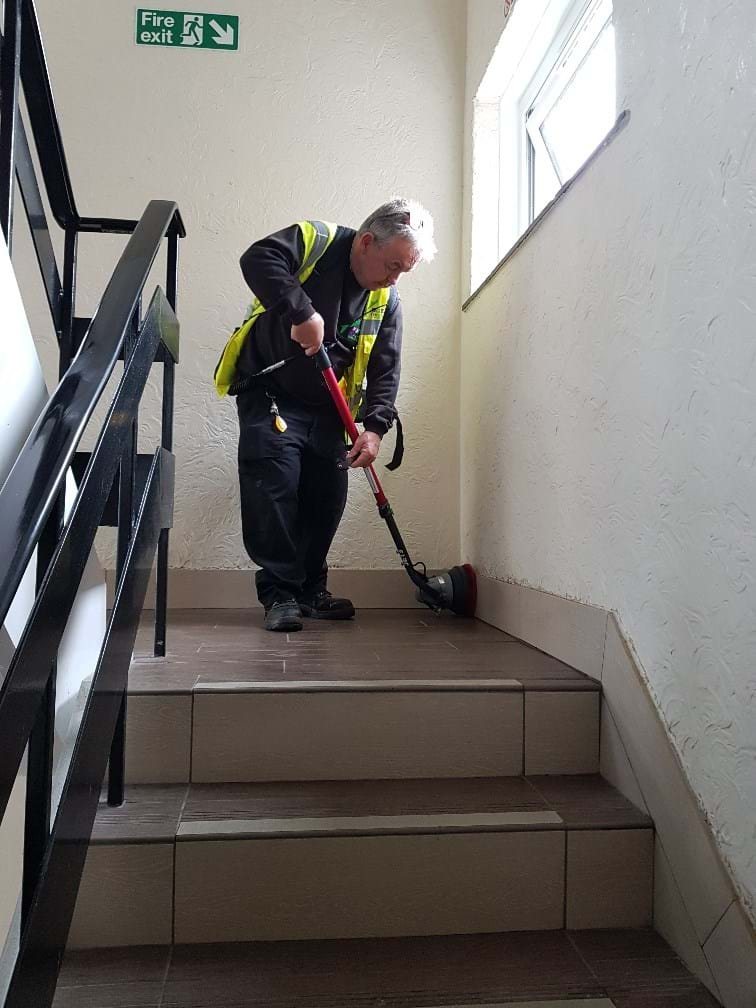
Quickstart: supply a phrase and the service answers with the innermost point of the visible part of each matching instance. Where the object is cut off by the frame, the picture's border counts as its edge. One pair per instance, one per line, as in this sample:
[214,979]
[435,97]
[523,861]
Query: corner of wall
[696,907]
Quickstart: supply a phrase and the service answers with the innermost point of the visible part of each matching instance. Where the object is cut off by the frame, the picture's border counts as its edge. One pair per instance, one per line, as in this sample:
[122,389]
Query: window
[573,109]
[546,101]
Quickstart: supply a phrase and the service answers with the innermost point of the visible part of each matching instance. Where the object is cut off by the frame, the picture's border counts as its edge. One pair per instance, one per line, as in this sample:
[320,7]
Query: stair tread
[230,646]
[157,813]
[629,967]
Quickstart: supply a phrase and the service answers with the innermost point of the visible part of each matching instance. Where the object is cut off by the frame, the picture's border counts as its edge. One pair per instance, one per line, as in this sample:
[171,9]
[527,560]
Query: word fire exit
[188,29]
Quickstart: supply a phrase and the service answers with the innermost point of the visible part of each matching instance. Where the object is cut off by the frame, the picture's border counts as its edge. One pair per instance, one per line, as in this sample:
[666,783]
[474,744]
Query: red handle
[324,363]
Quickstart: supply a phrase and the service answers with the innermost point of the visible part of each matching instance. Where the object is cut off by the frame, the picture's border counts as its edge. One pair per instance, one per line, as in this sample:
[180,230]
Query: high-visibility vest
[317,236]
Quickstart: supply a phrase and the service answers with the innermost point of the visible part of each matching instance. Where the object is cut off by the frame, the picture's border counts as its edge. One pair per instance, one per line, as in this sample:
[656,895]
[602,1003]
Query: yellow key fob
[280,424]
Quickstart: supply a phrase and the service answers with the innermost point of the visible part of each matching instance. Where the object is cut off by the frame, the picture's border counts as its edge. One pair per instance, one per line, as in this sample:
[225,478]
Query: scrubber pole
[323,362]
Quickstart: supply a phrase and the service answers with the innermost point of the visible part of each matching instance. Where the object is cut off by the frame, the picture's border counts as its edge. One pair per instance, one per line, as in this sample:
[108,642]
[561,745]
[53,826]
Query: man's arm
[270,267]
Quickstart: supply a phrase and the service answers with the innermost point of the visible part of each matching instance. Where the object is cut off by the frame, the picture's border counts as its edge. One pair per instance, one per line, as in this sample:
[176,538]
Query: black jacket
[270,268]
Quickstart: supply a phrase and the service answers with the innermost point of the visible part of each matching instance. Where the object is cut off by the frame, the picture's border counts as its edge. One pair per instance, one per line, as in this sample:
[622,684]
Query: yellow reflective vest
[317,236]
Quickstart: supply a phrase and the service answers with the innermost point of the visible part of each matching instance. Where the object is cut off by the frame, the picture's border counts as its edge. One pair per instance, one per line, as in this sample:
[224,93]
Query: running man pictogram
[192,33]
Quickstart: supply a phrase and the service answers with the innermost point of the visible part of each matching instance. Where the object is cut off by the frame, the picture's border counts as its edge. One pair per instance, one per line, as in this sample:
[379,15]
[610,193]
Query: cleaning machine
[453,589]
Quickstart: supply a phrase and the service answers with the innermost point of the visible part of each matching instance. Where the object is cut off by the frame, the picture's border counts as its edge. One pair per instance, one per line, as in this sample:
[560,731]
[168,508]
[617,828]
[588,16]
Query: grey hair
[403,218]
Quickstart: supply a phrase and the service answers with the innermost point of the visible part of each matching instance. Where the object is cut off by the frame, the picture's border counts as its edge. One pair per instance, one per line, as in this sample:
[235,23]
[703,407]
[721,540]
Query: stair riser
[342,735]
[362,886]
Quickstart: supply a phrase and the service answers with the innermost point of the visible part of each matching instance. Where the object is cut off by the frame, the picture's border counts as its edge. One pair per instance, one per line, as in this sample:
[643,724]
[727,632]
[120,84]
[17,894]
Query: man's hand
[309,334]
[364,451]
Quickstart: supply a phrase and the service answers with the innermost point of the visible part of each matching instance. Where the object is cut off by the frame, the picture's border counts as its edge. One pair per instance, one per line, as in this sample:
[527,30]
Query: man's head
[391,241]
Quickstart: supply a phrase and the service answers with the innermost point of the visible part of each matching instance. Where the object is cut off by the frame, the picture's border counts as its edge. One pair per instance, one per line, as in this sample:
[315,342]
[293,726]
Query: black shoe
[322,605]
[283,616]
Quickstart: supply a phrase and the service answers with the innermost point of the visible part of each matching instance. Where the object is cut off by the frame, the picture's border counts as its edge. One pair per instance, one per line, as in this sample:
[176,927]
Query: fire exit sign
[188,29]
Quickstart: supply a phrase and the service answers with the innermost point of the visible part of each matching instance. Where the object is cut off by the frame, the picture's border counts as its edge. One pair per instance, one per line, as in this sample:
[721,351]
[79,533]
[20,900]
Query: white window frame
[566,55]
[535,35]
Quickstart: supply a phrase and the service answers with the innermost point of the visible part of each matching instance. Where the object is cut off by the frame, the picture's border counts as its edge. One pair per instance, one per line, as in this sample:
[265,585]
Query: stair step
[388,695]
[364,859]
[564,969]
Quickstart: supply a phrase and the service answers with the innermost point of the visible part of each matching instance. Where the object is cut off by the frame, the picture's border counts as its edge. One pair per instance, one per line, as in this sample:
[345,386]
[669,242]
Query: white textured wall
[326,110]
[609,391]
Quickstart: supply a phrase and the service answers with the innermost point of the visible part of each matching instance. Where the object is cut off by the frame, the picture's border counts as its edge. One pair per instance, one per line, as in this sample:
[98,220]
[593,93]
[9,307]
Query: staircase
[403,774]
[391,779]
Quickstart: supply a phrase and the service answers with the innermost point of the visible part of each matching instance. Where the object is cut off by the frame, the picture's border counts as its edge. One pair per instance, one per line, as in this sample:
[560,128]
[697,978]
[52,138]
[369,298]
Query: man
[315,284]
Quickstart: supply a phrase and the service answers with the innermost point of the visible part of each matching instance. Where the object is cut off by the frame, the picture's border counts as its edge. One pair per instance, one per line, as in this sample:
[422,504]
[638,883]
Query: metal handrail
[22,689]
[49,142]
[32,505]
[53,869]
[28,494]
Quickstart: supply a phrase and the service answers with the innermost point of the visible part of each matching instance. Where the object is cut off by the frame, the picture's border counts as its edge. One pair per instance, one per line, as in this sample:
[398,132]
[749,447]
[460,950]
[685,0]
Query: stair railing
[116,486]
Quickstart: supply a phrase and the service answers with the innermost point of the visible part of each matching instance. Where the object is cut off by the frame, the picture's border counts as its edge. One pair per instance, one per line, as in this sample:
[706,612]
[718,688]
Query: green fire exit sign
[188,29]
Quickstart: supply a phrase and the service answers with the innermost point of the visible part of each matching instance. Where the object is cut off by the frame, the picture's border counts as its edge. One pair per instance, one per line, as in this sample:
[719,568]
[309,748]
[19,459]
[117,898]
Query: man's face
[376,266]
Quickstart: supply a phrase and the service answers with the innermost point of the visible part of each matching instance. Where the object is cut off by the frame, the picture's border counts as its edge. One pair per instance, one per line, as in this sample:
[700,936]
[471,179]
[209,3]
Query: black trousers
[293,492]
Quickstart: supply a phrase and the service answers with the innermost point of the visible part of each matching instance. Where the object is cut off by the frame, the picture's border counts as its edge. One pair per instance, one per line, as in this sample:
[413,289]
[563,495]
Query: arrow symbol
[223,35]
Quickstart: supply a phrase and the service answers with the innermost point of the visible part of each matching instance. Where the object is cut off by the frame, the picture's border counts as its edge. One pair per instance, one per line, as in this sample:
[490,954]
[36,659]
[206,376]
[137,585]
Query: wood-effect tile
[403,973]
[152,813]
[434,972]
[638,964]
[232,645]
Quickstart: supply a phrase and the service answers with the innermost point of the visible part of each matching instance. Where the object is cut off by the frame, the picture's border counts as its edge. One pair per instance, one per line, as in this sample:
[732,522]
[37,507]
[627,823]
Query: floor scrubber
[454,589]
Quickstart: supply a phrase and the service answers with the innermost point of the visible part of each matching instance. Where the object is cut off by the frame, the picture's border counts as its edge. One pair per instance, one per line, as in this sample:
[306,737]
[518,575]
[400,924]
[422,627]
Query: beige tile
[731,952]
[673,922]
[358,686]
[158,738]
[208,589]
[301,826]
[614,764]
[705,888]
[12,847]
[570,631]
[561,733]
[499,604]
[125,898]
[609,878]
[232,589]
[356,887]
[571,1003]
[344,736]
[375,589]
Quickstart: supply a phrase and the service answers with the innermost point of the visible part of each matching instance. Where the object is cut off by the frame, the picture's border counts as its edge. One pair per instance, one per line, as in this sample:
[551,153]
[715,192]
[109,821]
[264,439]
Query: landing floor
[231,645]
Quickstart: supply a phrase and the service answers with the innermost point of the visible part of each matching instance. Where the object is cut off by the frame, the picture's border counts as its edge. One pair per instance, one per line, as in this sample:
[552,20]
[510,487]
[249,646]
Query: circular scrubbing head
[465,590]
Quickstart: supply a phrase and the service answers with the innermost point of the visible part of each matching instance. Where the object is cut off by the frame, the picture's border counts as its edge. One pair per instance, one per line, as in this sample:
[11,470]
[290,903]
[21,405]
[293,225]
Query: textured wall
[609,393]
[326,110]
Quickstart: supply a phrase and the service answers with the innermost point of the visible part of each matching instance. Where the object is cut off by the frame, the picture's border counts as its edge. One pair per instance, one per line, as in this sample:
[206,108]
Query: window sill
[622,121]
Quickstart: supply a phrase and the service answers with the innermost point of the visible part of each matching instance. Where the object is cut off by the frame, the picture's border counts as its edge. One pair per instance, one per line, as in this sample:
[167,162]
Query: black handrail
[113,479]
[51,899]
[24,683]
[48,139]
[9,116]
[45,936]
[29,492]
[44,120]
[40,231]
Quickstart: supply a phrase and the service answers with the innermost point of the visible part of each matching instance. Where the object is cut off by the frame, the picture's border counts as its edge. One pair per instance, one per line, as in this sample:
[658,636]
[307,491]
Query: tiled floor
[615,969]
[231,645]
[156,812]
[635,969]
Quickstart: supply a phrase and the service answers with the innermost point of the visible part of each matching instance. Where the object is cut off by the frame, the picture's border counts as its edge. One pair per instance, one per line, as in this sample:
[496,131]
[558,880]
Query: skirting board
[235,589]
[696,908]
